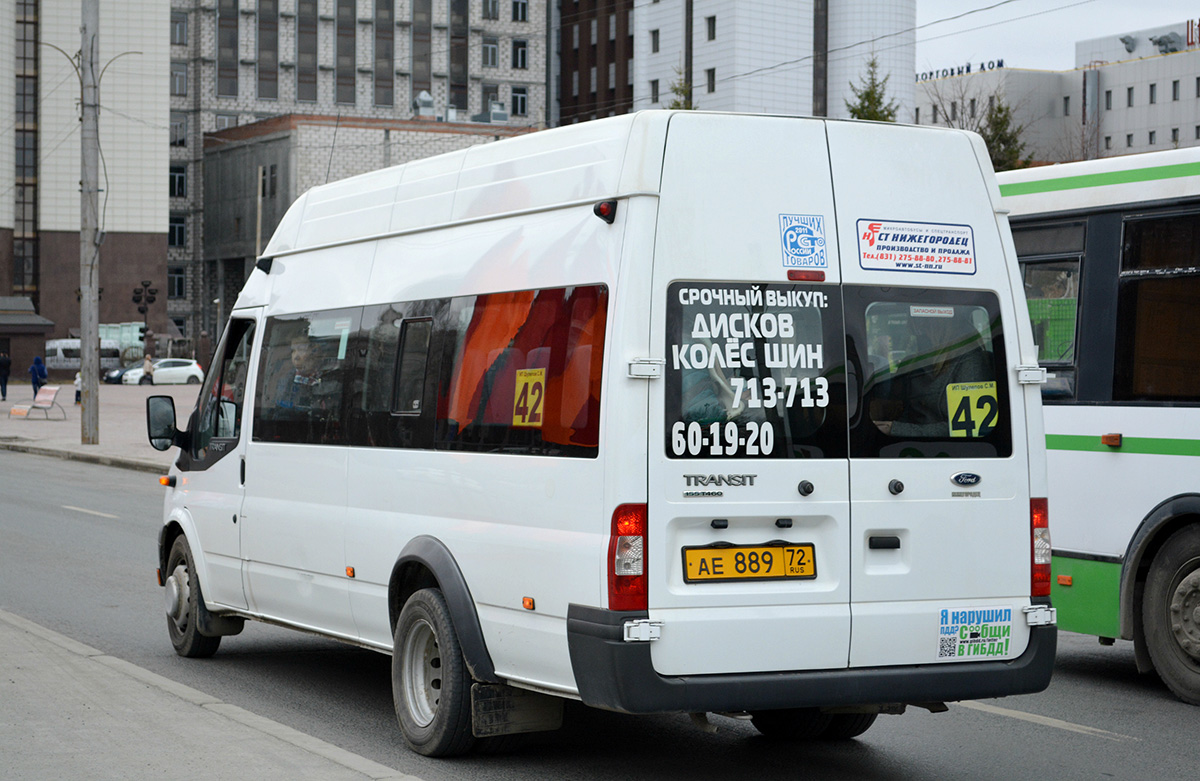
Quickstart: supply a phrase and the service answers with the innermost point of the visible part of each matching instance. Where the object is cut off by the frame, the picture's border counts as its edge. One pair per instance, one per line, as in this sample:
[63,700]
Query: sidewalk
[71,711]
[123,441]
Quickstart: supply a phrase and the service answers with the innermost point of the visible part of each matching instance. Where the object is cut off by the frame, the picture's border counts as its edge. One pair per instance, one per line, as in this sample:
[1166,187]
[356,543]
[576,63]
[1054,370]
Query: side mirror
[160,422]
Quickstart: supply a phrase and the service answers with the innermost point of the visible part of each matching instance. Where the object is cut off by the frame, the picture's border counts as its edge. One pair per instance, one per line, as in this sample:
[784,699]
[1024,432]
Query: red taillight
[1039,522]
[805,275]
[627,558]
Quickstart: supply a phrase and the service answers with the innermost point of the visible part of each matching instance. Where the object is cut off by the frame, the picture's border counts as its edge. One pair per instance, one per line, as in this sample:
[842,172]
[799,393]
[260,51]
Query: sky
[1036,34]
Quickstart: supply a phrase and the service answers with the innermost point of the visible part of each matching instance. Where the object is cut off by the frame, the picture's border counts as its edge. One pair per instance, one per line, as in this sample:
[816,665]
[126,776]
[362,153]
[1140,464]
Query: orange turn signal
[349,572]
[1064,580]
[167,480]
[1112,440]
[527,603]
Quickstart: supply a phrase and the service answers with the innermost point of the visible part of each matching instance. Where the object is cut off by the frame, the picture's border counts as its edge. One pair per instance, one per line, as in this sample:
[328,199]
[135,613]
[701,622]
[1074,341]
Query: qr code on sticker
[946,647]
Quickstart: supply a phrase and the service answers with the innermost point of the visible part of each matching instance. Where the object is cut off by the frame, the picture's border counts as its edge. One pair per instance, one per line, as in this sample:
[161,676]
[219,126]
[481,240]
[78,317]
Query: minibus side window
[931,367]
[304,378]
[754,371]
[521,372]
[223,395]
[1051,257]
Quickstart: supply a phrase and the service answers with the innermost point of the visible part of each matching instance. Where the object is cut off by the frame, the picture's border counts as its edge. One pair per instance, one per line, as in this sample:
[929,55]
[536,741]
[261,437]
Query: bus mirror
[160,422]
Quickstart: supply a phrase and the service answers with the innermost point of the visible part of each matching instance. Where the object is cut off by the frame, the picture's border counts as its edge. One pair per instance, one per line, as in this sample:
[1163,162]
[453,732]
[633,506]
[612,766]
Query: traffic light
[141,333]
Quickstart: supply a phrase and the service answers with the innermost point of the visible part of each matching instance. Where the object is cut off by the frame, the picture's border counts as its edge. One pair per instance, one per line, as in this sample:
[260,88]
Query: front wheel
[845,726]
[1171,614]
[431,688]
[184,602]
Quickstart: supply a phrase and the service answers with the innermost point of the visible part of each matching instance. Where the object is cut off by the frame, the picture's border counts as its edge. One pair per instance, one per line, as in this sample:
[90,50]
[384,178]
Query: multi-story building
[769,56]
[1129,92]
[375,66]
[40,210]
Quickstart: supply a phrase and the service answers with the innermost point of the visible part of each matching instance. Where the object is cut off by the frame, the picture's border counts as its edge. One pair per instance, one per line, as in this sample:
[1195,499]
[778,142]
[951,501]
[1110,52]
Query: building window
[491,9]
[1153,136]
[460,11]
[1108,100]
[520,10]
[592,25]
[225,121]
[345,57]
[654,41]
[1108,142]
[935,114]
[1066,105]
[1128,97]
[269,185]
[1153,94]
[422,46]
[176,282]
[1174,135]
[520,101]
[306,50]
[177,181]
[917,115]
[385,51]
[181,324]
[179,78]
[1128,140]
[268,49]
[575,36]
[612,27]
[711,23]
[177,230]
[612,76]
[488,94]
[710,79]
[520,55]
[227,48]
[654,97]
[574,83]
[972,108]
[179,28]
[178,128]
[1175,90]
[953,110]
[491,53]
[592,79]
[1198,132]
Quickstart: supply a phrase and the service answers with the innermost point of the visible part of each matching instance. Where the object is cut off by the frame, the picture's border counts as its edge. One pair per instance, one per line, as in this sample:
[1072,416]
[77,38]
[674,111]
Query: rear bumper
[617,675]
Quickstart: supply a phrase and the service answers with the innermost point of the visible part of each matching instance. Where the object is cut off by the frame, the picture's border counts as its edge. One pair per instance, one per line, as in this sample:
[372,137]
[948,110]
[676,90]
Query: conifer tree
[870,99]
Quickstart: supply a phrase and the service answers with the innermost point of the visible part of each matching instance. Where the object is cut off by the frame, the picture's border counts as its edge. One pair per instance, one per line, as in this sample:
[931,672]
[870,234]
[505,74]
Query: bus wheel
[184,601]
[431,688]
[844,726]
[791,723]
[1171,613]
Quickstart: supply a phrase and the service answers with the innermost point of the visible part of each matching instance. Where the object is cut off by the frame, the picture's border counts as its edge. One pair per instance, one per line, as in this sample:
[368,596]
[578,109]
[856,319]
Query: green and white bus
[1110,255]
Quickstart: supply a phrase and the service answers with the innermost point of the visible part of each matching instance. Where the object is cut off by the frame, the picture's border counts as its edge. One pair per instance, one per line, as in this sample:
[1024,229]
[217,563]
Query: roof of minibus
[1089,184]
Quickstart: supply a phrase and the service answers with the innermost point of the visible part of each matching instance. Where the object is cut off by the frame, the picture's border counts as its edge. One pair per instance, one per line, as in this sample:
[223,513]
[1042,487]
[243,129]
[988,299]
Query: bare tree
[960,104]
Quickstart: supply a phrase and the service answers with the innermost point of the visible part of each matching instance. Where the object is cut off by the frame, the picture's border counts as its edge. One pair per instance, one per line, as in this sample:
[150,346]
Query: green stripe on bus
[1090,605]
[1139,445]
[1101,180]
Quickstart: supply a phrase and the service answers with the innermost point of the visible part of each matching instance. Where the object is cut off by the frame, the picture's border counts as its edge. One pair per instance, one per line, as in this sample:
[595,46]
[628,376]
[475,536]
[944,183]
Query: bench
[45,400]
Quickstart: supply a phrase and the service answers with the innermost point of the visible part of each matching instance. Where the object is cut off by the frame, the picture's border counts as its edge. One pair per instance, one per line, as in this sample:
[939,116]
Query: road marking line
[1046,721]
[89,512]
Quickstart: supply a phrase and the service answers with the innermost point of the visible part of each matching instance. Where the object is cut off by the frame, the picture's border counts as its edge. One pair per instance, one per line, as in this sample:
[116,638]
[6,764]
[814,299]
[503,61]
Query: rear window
[929,376]
[754,371]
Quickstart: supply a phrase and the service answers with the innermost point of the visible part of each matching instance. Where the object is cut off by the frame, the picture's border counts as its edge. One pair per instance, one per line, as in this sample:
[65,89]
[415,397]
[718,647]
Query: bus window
[1158,311]
[1051,258]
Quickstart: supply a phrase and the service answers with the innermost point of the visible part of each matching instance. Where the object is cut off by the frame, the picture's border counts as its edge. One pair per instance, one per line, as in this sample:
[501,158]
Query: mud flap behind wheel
[498,709]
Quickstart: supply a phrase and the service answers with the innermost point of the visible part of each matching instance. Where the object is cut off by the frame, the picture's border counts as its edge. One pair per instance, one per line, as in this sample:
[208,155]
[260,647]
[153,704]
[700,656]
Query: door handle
[883,543]
[243,471]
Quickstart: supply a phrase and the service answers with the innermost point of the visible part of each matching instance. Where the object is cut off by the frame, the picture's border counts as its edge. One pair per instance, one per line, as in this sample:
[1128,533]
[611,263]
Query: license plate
[771,561]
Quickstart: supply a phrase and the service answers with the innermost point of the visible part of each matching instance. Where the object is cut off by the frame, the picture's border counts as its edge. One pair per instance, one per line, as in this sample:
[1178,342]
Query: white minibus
[666,412]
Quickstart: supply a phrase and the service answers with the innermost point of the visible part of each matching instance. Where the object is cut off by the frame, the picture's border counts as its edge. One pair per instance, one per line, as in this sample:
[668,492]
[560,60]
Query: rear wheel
[184,602]
[844,726]
[1171,614]
[431,688]
[193,380]
[791,723]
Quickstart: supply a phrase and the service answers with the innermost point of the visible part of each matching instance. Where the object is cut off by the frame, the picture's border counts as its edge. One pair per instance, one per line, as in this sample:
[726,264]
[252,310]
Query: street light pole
[89,239]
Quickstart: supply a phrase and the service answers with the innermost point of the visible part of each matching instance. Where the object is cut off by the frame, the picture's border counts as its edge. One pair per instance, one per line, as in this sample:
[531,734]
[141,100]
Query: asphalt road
[77,555]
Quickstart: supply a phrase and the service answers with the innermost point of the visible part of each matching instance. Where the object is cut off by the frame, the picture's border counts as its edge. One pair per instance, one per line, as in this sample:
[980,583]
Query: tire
[1171,614]
[844,726]
[193,380]
[184,603]
[792,724]
[431,688]
[146,381]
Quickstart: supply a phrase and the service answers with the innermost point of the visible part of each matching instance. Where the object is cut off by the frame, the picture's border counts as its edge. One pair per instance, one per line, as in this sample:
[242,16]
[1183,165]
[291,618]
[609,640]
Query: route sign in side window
[521,372]
[928,368]
[1051,256]
[754,371]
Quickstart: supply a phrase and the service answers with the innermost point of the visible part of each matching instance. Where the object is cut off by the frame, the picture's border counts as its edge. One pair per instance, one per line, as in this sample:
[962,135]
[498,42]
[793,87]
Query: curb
[91,458]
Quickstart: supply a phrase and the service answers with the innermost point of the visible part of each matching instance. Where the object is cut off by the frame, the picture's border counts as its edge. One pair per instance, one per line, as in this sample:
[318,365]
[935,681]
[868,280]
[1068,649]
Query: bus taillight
[627,558]
[1039,521]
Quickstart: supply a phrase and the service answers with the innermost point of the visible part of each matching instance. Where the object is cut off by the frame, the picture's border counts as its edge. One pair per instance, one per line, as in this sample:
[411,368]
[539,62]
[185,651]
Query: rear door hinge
[642,630]
[1040,615]
[1031,375]
[646,368]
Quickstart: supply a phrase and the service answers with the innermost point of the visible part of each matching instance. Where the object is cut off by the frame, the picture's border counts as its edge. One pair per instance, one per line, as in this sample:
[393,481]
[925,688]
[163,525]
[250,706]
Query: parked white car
[167,371]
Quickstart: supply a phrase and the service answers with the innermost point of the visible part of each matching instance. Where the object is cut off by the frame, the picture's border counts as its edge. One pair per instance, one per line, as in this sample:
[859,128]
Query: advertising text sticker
[974,633]
[803,239]
[890,245]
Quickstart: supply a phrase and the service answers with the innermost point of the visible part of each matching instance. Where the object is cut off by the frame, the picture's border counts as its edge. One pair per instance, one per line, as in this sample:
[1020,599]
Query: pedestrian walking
[148,368]
[37,374]
[78,386]
[5,368]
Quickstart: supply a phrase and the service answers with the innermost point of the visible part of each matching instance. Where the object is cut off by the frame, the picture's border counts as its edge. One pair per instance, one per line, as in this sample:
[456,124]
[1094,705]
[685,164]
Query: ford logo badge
[965,478]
